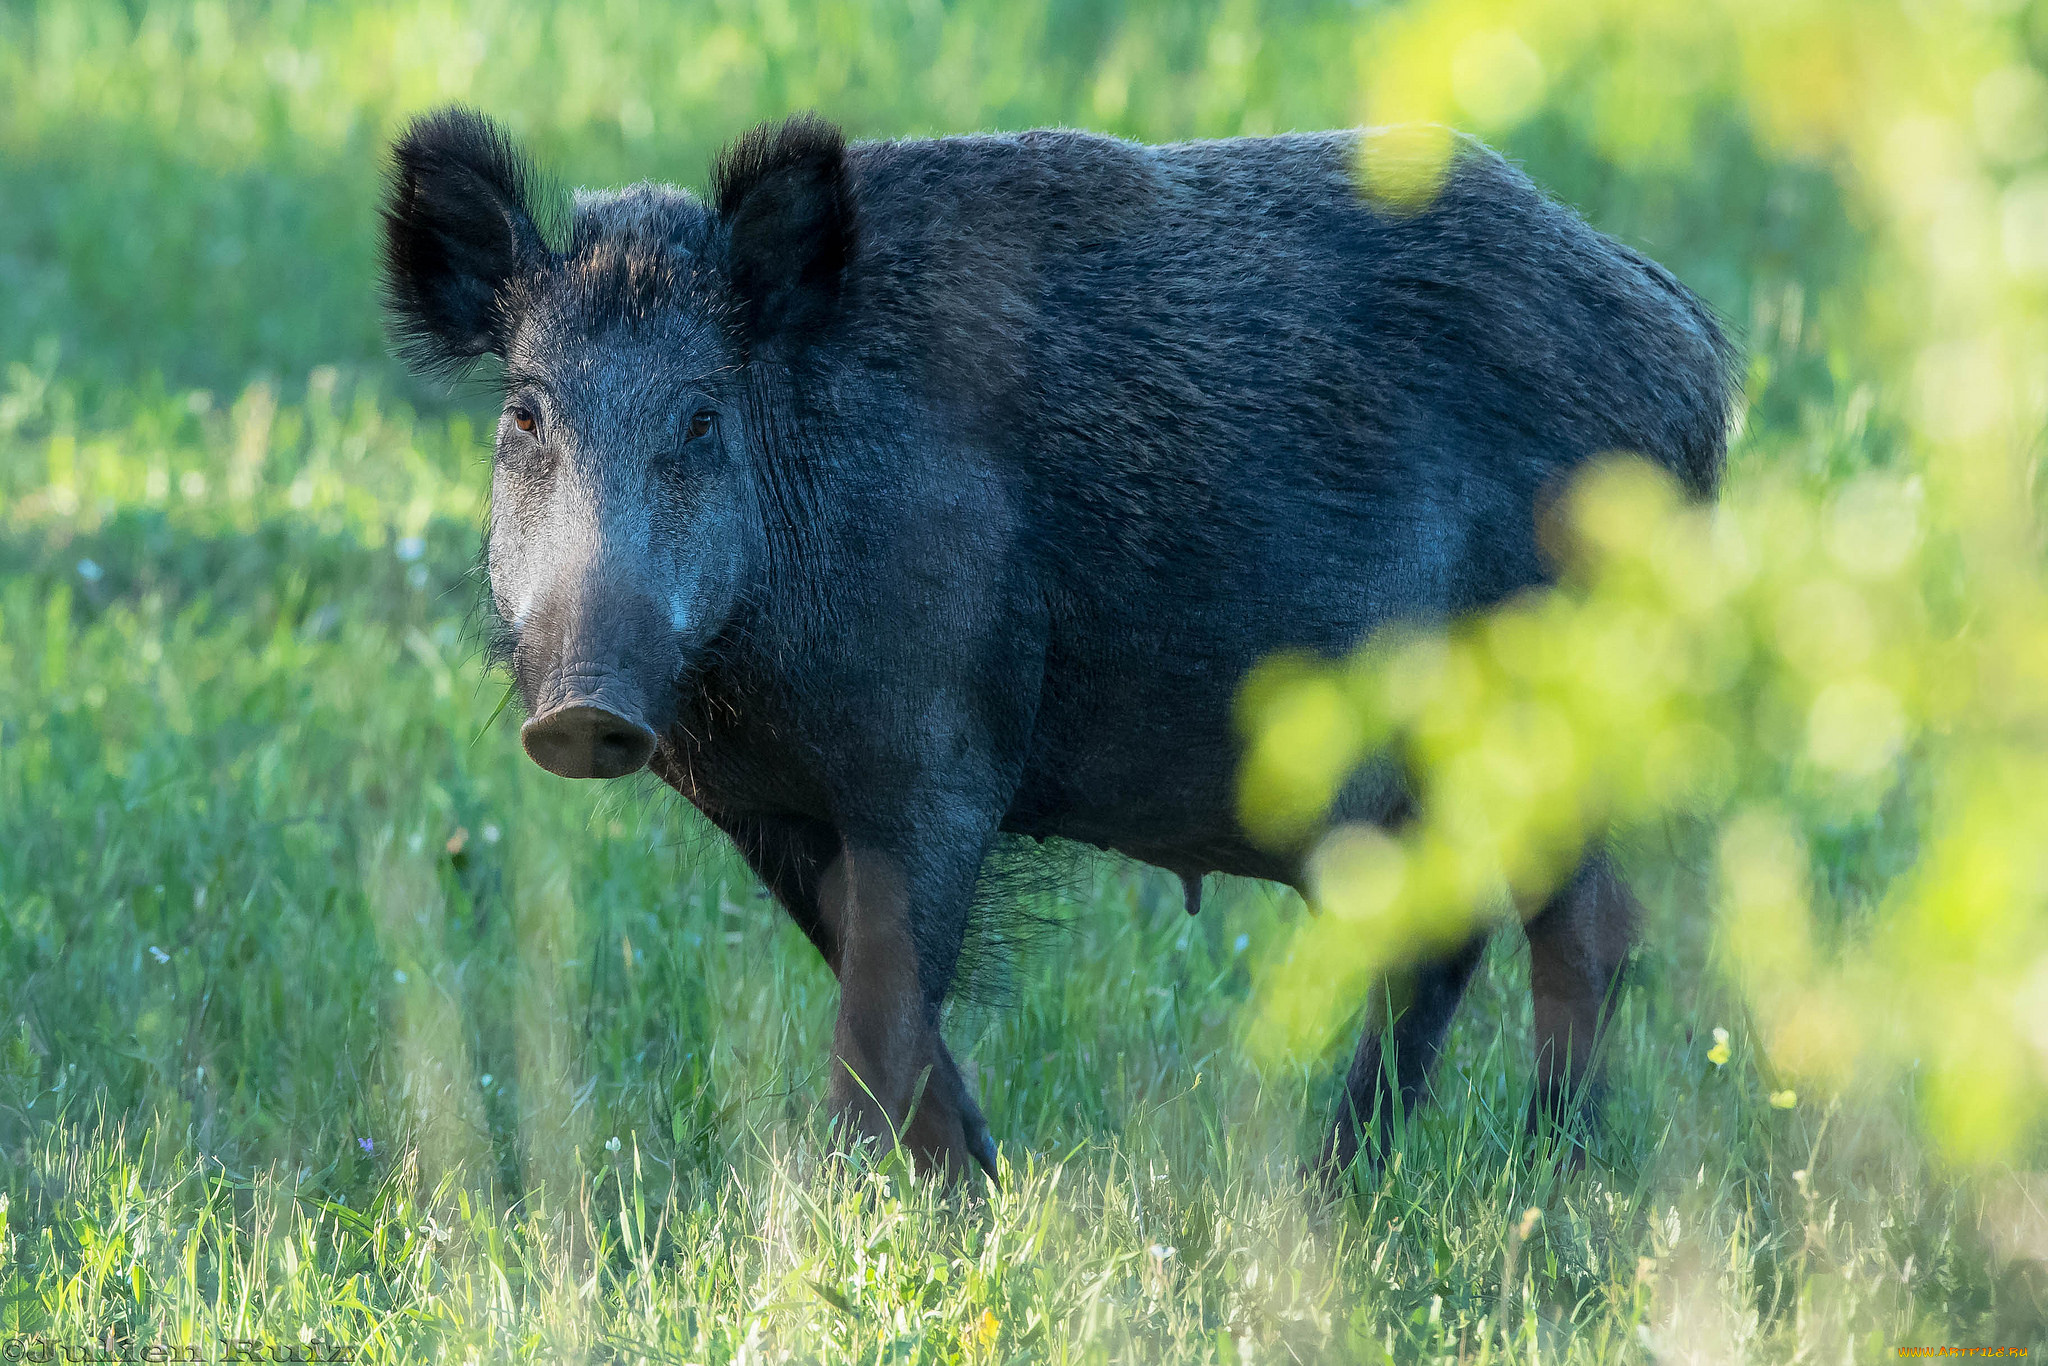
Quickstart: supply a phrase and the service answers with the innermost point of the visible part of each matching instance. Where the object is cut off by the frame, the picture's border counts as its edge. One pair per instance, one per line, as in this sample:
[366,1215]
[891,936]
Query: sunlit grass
[331,1016]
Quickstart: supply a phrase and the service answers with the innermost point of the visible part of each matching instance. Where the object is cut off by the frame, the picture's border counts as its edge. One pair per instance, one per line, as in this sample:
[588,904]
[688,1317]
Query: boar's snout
[585,741]
[598,667]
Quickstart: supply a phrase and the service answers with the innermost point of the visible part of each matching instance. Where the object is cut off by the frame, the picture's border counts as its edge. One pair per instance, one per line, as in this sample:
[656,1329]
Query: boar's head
[626,495]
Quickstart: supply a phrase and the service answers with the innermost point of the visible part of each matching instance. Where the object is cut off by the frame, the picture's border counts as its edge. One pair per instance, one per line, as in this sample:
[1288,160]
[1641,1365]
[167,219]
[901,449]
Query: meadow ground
[329,1022]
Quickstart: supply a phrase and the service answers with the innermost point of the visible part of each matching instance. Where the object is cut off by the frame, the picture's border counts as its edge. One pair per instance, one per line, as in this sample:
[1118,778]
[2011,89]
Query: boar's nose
[583,741]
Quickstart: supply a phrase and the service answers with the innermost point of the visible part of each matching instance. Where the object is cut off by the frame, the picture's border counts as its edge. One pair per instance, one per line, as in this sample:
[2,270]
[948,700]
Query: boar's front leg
[859,903]
[898,912]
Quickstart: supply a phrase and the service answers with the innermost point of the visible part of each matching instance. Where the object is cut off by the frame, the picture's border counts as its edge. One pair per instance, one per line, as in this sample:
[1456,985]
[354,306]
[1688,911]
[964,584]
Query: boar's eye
[522,418]
[700,423]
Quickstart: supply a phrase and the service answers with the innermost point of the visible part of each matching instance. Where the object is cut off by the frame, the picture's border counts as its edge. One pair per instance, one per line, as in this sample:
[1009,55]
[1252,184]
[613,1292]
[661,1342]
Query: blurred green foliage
[319,1005]
[1860,644]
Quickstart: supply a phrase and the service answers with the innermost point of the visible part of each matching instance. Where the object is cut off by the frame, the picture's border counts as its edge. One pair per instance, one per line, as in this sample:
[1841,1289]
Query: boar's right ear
[781,193]
[459,233]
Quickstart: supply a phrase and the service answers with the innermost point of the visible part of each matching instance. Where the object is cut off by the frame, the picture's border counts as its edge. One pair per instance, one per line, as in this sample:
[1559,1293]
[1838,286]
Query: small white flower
[1162,1253]
[398,976]
[1244,941]
[484,1080]
[611,1145]
[159,954]
[492,834]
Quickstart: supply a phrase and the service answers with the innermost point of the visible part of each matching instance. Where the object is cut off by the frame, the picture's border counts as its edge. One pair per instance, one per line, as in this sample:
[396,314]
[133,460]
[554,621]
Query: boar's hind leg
[1425,1002]
[1577,945]
[797,858]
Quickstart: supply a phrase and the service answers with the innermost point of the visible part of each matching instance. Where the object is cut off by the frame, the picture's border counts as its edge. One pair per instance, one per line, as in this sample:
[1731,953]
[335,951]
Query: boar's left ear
[459,234]
[782,194]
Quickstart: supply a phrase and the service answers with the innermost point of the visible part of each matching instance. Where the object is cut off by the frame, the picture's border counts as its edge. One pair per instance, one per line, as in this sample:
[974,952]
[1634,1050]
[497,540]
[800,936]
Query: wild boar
[894,496]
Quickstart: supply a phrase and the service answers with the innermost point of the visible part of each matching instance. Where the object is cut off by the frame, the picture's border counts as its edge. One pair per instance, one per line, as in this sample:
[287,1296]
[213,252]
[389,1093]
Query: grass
[327,1019]
[329,1014]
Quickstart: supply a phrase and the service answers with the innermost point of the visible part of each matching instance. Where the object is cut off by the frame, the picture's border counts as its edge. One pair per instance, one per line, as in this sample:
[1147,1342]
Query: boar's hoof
[982,1145]
[587,742]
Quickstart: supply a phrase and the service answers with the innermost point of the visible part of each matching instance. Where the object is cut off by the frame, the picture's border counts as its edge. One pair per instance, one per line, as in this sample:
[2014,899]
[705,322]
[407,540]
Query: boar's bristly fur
[903,497]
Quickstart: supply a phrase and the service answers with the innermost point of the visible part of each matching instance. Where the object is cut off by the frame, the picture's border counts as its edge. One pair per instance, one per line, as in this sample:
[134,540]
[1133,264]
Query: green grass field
[326,1019]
